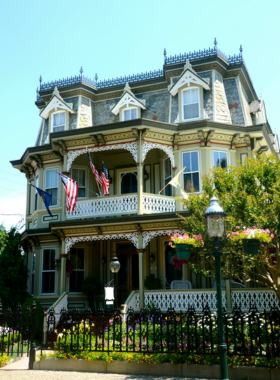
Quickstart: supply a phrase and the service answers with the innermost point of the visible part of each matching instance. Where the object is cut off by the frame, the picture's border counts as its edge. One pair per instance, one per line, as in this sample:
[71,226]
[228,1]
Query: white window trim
[198,156]
[182,103]
[58,125]
[33,259]
[123,172]
[46,189]
[220,151]
[78,270]
[36,192]
[86,177]
[47,271]
[242,155]
[163,176]
[130,108]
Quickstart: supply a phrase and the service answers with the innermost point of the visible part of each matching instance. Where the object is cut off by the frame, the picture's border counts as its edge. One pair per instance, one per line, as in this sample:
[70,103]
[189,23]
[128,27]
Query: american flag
[95,172]
[105,179]
[71,190]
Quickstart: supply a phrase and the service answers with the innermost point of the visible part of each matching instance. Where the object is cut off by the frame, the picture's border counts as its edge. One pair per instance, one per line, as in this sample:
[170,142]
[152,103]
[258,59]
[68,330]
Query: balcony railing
[122,204]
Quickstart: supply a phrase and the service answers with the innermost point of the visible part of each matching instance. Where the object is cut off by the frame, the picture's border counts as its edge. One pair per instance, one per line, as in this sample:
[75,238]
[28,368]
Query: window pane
[223,160]
[62,118]
[194,95]
[51,179]
[194,159]
[58,129]
[46,259]
[187,162]
[53,192]
[133,113]
[188,182]
[81,193]
[75,174]
[195,182]
[168,189]
[48,279]
[56,120]
[187,97]
[127,115]
[82,177]
[216,159]
[167,168]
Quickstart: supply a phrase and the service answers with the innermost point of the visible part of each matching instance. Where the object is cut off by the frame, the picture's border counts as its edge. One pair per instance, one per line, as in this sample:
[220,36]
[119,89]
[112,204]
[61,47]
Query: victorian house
[201,110]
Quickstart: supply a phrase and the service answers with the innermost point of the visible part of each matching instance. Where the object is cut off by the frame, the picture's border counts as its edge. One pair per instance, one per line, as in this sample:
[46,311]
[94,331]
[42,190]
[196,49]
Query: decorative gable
[128,99]
[55,102]
[188,76]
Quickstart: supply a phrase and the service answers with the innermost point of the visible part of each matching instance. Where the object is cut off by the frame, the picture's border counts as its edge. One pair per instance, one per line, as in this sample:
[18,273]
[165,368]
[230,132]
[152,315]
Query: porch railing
[180,300]
[121,204]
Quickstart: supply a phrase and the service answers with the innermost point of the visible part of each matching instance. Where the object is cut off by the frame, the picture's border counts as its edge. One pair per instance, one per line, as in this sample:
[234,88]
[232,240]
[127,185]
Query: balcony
[122,205]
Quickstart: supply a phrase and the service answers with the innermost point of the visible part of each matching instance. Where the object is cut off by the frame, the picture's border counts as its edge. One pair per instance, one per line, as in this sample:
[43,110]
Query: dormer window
[190,104]
[129,114]
[58,121]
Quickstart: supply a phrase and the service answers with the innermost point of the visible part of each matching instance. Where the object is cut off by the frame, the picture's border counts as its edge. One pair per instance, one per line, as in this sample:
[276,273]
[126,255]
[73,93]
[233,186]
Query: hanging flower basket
[183,251]
[184,244]
[251,246]
[250,238]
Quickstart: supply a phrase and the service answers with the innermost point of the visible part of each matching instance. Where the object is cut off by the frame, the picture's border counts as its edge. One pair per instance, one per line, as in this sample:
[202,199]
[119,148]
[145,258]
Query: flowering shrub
[178,262]
[69,266]
[174,358]
[4,359]
[194,240]
[264,236]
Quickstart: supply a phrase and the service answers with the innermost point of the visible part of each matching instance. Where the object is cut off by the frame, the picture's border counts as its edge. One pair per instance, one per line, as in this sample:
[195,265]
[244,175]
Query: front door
[128,275]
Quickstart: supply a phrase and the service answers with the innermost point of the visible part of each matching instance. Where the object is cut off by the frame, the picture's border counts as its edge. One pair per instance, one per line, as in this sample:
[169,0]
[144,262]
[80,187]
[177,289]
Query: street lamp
[215,219]
[115,267]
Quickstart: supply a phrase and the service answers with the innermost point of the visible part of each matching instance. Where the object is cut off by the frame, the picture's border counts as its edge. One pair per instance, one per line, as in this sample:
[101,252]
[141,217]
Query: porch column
[63,257]
[62,193]
[140,176]
[141,276]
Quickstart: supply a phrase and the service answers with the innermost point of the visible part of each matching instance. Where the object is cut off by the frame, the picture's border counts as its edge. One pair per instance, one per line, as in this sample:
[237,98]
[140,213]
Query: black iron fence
[17,332]
[250,333]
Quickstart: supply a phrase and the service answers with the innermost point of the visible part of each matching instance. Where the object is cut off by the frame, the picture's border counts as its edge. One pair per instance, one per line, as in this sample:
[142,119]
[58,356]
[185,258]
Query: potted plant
[183,244]
[250,238]
[152,282]
[69,265]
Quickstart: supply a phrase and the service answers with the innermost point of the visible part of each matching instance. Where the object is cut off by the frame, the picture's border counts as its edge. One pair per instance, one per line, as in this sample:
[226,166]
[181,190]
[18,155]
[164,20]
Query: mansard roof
[188,76]
[128,99]
[55,102]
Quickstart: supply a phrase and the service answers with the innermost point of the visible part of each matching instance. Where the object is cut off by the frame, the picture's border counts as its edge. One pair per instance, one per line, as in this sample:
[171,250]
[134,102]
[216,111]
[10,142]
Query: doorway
[128,182]
[128,275]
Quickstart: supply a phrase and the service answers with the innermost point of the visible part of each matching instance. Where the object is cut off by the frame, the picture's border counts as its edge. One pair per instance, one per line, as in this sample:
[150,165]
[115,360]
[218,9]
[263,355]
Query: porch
[123,205]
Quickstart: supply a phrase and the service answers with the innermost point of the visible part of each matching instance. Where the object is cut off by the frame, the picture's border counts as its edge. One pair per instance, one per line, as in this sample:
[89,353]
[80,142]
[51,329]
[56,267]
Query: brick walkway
[18,370]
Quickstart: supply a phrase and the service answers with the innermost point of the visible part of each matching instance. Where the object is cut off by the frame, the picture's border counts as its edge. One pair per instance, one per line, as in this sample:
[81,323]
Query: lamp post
[216,228]
[115,267]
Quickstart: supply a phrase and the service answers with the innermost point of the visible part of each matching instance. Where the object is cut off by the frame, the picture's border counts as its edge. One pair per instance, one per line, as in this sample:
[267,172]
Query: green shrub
[152,282]
[38,318]
[91,286]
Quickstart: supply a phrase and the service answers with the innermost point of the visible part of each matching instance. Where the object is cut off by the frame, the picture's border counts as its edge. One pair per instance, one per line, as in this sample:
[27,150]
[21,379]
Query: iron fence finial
[241,50]
[96,78]
[164,54]
[81,72]
[40,80]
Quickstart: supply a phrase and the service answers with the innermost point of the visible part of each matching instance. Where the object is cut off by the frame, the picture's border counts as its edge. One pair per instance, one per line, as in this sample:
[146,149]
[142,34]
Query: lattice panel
[262,299]
[154,204]
[178,300]
[105,206]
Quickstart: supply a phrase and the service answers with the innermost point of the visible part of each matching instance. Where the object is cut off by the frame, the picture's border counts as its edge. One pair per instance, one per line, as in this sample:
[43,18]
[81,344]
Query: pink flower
[272,236]
[169,234]
[170,243]
[254,228]
[238,228]
[228,235]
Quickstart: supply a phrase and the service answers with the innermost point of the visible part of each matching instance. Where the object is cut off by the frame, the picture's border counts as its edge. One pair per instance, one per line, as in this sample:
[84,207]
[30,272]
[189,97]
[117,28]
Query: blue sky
[55,38]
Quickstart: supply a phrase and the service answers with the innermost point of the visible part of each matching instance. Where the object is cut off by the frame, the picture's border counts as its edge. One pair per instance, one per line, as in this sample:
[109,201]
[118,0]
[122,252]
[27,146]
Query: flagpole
[78,185]
[45,192]
[171,180]
[95,178]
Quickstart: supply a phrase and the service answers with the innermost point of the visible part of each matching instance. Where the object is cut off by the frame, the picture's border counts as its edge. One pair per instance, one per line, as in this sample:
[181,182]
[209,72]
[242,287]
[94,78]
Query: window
[191,172]
[77,256]
[220,159]
[243,157]
[128,181]
[33,274]
[58,121]
[190,100]
[36,193]
[52,185]
[130,114]
[167,176]
[79,175]
[48,271]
